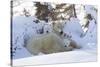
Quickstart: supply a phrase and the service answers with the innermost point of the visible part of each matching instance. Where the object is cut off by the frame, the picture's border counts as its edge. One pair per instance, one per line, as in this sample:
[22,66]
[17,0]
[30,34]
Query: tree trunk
[74,11]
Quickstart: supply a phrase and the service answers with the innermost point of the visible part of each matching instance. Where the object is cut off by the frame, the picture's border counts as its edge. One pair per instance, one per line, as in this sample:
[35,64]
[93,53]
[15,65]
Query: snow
[91,33]
[80,13]
[18,35]
[64,57]
[28,5]
[90,38]
[89,10]
[25,27]
[73,28]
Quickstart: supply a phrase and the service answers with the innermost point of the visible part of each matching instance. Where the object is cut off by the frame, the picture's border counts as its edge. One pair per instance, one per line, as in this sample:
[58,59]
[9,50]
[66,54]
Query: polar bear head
[66,45]
[70,44]
[58,28]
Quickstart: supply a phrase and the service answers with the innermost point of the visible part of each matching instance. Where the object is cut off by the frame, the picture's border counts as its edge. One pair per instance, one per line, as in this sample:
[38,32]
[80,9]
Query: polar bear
[52,42]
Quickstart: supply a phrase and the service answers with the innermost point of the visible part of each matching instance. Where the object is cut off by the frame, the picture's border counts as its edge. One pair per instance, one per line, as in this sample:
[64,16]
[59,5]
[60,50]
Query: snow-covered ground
[25,27]
[64,57]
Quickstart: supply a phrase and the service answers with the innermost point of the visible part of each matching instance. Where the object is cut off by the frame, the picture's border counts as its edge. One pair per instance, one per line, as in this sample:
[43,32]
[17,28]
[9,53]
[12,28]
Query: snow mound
[73,27]
[56,58]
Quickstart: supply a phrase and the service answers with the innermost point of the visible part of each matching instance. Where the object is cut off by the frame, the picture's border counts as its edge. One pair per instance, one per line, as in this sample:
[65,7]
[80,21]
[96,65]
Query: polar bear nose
[65,46]
[61,32]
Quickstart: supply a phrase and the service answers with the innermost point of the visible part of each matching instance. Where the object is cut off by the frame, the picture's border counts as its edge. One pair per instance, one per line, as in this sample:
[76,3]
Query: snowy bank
[64,57]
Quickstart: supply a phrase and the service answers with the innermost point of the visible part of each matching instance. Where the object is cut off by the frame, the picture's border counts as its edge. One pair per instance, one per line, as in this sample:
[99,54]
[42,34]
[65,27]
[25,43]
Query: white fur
[50,43]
